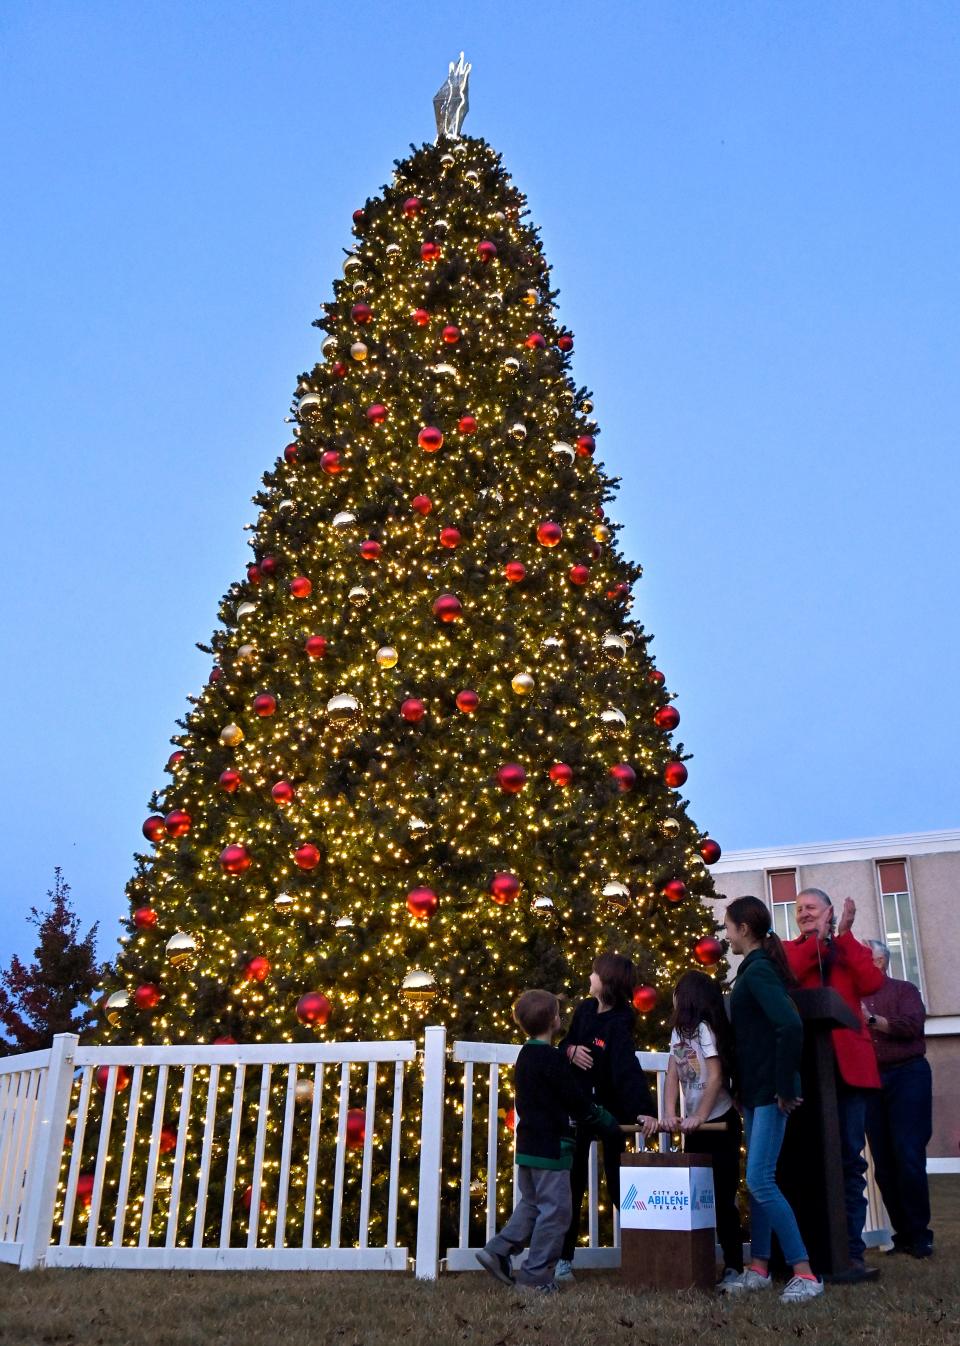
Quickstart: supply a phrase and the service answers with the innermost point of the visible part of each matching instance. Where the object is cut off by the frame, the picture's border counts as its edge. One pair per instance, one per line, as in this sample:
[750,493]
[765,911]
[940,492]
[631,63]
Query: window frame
[791,931]
[912,907]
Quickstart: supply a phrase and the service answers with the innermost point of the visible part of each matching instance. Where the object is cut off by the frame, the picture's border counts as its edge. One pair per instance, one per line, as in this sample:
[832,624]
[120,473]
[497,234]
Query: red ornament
[102,1075]
[248,1194]
[356,1128]
[154,829]
[332,462]
[644,998]
[710,851]
[625,777]
[84,1189]
[561,774]
[229,780]
[467,701]
[301,587]
[420,316]
[313,1008]
[315,646]
[235,859]
[264,704]
[708,951]
[621,590]
[515,571]
[536,341]
[565,342]
[216,673]
[656,677]
[370,549]
[421,504]
[422,903]
[268,566]
[291,452]
[467,424]
[377,413]
[579,575]
[549,533]
[168,1139]
[504,887]
[174,760]
[253,574]
[361,313]
[486,250]
[667,717]
[283,792]
[147,996]
[430,252]
[338,369]
[585,446]
[674,890]
[430,439]
[450,537]
[448,608]
[358,218]
[411,206]
[511,778]
[307,856]
[451,334]
[144,918]
[224,1040]
[675,774]
[413,710]
[258,969]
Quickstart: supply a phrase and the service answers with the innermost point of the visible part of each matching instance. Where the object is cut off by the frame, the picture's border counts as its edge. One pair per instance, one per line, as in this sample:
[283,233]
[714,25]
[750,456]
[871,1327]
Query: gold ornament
[303,1090]
[499,216]
[543,906]
[182,949]
[523,684]
[519,431]
[351,264]
[601,532]
[343,709]
[530,298]
[417,829]
[344,519]
[329,346]
[245,609]
[444,369]
[284,505]
[563,453]
[231,735]
[343,923]
[472,175]
[613,721]
[393,249]
[246,654]
[283,901]
[586,406]
[359,287]
[670,827]
[309,404]
[387,656]
[359,596]
[418,988]
[114,1006]
[551,646]
[614,647]
[511,364]
[442,226]
[617,894]
[447,160]
[629,635]
[359,351]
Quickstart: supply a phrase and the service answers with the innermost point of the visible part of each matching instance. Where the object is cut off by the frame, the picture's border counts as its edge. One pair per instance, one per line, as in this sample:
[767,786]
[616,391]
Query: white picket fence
[323,1190]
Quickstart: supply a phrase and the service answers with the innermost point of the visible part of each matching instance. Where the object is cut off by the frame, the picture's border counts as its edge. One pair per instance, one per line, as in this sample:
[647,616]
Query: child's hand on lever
[670,1123]
[649,1126]
[689,1124]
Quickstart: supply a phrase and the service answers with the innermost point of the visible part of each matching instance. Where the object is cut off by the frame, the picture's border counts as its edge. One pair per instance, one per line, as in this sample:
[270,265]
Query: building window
[783,902]
[899,927]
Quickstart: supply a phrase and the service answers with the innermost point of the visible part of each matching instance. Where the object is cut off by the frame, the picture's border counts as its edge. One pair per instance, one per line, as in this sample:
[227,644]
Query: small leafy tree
[47,996]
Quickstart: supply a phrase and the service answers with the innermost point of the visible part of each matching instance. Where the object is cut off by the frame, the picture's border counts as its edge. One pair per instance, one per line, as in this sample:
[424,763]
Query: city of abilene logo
[632,1201]
[701,1198]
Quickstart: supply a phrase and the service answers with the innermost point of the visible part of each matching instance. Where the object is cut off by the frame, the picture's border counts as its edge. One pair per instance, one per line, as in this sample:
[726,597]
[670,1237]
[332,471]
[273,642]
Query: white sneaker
[800,1288]
[727,1279]
[750,1280]
[564,1272]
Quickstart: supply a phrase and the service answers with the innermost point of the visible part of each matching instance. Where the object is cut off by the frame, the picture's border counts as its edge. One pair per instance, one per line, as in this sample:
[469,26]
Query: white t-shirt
[690,1056]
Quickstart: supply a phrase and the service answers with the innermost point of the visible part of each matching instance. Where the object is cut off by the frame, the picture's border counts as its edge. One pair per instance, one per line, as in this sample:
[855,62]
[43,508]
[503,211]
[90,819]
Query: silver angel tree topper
[452,102]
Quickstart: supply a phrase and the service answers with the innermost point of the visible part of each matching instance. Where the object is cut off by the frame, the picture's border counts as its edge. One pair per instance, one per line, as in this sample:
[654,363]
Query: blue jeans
[852,1107]
[899,1126]
[769,1208]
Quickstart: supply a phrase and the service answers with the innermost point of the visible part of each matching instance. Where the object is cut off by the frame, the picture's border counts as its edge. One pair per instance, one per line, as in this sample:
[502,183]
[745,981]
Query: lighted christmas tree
[433,763]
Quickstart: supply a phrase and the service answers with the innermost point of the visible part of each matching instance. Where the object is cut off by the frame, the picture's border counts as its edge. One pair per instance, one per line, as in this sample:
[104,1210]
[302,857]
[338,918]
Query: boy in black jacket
[600,1042]
[547,1096]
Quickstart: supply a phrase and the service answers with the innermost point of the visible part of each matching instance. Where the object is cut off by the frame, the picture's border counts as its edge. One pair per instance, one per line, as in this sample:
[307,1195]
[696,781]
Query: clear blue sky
[752,211]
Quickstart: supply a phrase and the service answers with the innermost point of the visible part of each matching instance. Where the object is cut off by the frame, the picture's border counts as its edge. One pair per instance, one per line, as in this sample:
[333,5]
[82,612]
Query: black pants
[612,1150]
[723,1147]
[899,1126]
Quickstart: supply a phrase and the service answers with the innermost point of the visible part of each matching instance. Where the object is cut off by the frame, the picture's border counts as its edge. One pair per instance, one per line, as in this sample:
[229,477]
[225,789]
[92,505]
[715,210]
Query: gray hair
[816,892]
[879,947]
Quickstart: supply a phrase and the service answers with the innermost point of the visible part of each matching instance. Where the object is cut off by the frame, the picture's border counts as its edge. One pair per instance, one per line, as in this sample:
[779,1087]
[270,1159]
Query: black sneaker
[921,1250]
[547,1288]
[498,1266]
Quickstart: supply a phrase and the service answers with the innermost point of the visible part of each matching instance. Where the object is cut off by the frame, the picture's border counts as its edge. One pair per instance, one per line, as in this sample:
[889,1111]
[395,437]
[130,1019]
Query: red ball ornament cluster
[579,575]
[667,717]
[710,851]
[467,701]
[511,778]
[644,999]
[313,1009]
[144,918]
[301,586]
[515,571]
[102,1077]
[361,313]
[229,780]
[146,996]
[430,251]
[561,774]
[265,704]
[235,859]
[283,792]
[430,439]
[422,903]
[451,334]
[447,608]
[413,710]
[708,951]
[376,414]
[549,534]
[504,888]
[315,646]
[674,890]
[154,828]
[467,425]
[371,549]
[486,250]
[257,969]
[332,462]
[306,856]
[177,823]
[450,537]
[422,505]
[624,777]
[675,774]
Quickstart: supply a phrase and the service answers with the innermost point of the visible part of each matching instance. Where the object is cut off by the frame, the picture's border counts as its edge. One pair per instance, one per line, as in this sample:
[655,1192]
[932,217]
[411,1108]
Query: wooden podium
[662,1256]
[810,1171]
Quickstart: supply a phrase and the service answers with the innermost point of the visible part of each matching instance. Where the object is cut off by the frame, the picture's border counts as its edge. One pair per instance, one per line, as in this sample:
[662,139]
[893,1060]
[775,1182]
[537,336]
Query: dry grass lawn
[915,1302]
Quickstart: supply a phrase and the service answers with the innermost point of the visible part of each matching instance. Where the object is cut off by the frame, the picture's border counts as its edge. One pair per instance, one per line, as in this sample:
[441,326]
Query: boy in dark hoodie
[548,1094]
[600,1042]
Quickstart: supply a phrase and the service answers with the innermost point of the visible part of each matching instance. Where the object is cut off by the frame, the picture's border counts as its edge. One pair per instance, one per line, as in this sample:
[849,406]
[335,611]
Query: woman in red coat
[826,954]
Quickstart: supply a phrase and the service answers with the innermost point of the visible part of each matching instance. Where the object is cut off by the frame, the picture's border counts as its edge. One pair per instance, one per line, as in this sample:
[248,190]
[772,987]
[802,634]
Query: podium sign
[667,1198]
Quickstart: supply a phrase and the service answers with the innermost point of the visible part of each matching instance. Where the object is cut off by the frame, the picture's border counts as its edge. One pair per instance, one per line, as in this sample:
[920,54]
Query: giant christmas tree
[433,763]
